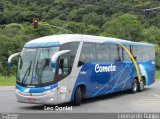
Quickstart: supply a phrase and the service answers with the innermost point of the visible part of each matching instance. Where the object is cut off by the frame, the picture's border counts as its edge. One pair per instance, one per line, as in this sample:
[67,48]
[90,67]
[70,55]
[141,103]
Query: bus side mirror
[55,57]
[11,57]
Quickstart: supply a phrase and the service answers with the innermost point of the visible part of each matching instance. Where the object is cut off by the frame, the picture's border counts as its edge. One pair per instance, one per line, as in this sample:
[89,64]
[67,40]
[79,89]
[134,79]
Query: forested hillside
[126,19]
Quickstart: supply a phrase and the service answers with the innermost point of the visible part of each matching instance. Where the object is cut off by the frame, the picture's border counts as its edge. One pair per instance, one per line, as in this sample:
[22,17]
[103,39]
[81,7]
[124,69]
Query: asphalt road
[146,101]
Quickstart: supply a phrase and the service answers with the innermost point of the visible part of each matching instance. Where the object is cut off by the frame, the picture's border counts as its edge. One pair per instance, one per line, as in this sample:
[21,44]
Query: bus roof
[57,40]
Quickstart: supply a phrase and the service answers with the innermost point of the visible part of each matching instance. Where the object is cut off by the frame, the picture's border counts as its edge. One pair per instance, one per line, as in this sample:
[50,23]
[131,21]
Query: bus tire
[78,96]
[140,86]
[134,86]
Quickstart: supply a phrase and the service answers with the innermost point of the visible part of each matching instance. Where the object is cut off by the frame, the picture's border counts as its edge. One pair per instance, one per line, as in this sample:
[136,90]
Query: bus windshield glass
[34,66]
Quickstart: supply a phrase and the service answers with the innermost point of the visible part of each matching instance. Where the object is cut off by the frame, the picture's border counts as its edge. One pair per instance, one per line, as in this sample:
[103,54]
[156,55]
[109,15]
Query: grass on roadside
[158,75]
[7,80]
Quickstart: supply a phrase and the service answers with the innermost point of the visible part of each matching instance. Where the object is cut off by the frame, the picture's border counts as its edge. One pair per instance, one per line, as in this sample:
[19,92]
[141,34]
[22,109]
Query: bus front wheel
[134,86]
[78,97]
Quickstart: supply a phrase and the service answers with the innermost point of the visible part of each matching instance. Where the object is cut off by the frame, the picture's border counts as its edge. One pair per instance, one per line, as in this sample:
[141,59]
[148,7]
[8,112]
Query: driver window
[63,69]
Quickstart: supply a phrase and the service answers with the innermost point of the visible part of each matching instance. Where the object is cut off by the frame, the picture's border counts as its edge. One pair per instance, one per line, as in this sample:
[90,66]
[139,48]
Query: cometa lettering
[110,68]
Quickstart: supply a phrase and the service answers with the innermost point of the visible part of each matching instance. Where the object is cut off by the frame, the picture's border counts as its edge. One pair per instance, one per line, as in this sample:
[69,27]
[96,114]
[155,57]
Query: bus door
[63,71]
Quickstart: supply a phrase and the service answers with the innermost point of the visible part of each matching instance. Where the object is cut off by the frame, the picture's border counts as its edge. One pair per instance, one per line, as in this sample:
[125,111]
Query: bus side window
[143,53]
[102,53]
[88,53]
[63,67]
[137,53]
[114,52]
[125,54]
[73,47]
[60,68]
[120,53]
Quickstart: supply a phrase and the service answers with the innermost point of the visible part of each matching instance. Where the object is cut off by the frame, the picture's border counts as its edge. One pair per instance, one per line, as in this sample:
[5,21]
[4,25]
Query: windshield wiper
[37,69]
[27,72]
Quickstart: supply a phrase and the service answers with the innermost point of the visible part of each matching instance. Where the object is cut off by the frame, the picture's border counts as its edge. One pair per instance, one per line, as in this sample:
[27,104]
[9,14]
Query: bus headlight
[51,99]
[49,92]
[17,91]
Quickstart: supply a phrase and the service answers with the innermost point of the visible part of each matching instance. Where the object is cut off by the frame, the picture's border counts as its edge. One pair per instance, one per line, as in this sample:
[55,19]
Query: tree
[94,19]
[92,30]
[157,54]
[75,27]
[8,47]
[115,18]
[152,34]
[125,26]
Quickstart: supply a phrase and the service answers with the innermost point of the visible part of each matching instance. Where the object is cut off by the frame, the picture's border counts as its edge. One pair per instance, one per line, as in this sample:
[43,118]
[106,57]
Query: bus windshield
[34,66]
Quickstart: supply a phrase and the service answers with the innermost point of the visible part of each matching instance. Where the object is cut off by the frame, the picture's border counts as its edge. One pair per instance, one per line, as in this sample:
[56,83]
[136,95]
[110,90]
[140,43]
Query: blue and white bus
[70,67]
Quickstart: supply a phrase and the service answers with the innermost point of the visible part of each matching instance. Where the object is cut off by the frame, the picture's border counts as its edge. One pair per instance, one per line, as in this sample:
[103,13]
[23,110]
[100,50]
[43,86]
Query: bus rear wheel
[141,86]
[78,97]
[134,86]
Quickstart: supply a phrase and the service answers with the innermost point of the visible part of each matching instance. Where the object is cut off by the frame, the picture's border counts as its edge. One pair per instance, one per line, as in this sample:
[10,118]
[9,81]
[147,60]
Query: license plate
[31,100]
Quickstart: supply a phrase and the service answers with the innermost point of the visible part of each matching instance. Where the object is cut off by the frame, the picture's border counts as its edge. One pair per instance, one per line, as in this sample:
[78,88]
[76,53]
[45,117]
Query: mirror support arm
[11,57]
[56,55]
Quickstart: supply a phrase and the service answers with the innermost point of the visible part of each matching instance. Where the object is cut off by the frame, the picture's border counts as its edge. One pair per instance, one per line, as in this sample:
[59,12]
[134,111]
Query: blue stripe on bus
[43,44]
[35,90]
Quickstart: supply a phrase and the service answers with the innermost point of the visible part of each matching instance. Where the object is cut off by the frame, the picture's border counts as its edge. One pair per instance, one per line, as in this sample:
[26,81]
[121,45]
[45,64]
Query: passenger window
[88,53]
[144,53]
[136,53]
[120,53]
[126,55]
[148,53]
[102,52]
[73,47]
[114,52]
[151,53]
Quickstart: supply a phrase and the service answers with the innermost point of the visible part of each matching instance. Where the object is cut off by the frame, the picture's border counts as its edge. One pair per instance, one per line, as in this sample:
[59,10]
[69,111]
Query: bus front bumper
[48,97]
